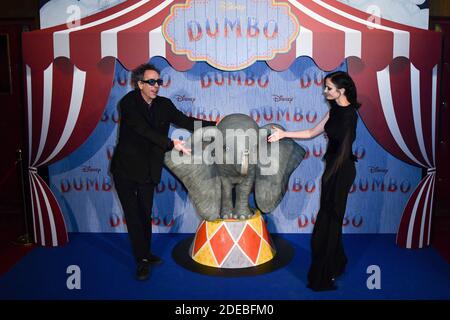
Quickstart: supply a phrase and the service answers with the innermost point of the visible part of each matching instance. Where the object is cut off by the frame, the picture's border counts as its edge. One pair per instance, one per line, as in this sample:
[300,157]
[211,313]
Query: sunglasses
[152,82]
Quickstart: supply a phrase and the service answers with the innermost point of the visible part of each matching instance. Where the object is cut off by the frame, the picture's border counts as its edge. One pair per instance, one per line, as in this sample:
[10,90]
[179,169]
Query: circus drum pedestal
[233,243]
[233,248]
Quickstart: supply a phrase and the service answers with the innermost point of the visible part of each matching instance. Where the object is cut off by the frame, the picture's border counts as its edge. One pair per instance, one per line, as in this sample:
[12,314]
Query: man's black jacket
[143,136]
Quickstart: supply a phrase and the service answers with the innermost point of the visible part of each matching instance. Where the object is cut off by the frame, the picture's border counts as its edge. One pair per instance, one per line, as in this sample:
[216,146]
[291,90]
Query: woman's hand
[278,134]
[179,145]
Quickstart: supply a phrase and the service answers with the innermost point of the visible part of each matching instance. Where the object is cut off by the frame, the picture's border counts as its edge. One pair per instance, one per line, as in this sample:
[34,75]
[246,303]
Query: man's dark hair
[138,73]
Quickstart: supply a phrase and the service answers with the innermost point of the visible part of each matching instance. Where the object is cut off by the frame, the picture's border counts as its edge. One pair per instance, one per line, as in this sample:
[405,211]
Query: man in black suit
[138,158]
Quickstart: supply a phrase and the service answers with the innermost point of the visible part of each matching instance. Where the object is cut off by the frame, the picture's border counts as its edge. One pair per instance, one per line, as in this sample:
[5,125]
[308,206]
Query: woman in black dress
[339,124]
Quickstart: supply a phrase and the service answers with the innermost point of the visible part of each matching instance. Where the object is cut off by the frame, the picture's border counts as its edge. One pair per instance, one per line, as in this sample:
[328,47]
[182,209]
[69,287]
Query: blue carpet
[107,272]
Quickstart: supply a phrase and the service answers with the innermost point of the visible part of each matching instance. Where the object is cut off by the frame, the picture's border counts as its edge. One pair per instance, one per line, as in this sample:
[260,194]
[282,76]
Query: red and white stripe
[415,226]
[49,228]
[64,106]
[69,74]
[331,32]
[400,110]
[61,39]
[132,35]
[109,37]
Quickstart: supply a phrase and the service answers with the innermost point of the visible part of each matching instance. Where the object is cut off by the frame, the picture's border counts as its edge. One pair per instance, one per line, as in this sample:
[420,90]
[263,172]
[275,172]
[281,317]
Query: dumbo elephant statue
[235,154]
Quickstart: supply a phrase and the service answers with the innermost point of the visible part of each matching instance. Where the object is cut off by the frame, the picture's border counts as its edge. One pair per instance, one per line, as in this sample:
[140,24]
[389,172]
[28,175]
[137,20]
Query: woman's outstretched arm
[303,134]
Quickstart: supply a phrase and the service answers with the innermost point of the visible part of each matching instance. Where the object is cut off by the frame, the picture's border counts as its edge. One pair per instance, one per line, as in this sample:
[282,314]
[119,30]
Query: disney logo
[377,170]
[90,169]
[278,98]
[227,5]
[181,98]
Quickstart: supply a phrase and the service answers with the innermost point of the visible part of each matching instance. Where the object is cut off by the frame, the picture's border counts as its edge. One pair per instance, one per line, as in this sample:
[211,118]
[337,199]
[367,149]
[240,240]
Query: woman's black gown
[328,257]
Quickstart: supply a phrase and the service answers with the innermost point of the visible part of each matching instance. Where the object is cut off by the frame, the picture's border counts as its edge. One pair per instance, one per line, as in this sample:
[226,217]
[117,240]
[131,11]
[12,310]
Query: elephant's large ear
[199,177]
[276,162]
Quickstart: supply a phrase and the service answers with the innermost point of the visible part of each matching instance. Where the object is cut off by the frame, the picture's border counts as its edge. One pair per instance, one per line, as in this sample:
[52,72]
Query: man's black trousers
[137,201]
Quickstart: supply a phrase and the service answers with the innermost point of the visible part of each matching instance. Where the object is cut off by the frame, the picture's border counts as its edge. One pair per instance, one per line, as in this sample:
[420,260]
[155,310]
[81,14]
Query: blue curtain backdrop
[292,98]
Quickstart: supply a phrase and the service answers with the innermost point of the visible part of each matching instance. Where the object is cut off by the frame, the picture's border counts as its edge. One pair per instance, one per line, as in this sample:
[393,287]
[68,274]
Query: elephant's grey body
[233,175]
[210,186]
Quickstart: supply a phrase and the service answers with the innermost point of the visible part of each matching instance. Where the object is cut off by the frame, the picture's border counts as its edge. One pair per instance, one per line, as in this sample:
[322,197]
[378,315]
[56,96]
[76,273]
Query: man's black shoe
[154,259]
[143,270]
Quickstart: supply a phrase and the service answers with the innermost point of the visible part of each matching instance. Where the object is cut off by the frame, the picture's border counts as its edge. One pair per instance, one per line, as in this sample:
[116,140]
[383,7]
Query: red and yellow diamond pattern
[233,243]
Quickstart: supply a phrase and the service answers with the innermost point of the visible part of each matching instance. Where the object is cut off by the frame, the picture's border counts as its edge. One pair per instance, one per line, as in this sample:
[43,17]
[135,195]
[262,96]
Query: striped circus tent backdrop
[70,69]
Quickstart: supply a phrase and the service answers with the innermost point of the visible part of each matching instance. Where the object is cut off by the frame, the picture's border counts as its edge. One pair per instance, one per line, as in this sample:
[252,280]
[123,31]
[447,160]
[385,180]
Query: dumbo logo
[355,221]
[165,222]
[199,28]
[169,185]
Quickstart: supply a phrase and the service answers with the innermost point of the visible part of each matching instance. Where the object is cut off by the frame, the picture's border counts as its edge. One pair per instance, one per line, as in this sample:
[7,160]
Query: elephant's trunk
[244,165]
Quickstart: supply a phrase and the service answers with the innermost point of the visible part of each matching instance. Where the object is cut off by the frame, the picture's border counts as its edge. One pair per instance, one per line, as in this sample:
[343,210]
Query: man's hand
[179,145]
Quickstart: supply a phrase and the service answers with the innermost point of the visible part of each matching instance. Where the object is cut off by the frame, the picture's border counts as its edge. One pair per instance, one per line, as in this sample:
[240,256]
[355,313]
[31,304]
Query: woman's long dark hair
[343,81]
